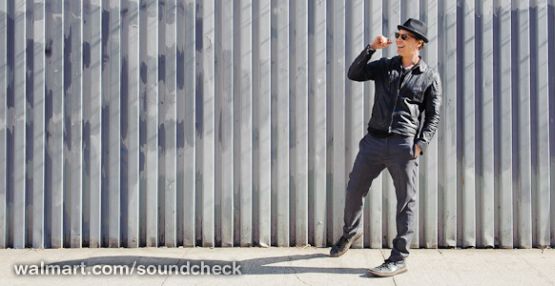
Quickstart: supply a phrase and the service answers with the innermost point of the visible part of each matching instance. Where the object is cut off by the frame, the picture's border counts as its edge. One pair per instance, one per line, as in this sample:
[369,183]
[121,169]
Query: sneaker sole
[348,246]
[379,274]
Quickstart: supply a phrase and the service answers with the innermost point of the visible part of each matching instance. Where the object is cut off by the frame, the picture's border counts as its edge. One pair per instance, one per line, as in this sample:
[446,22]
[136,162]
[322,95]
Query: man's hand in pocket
[417,151]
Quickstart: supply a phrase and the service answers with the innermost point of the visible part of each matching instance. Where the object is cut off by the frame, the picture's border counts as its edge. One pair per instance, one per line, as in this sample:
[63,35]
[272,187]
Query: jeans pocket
[412,151]
[361,142]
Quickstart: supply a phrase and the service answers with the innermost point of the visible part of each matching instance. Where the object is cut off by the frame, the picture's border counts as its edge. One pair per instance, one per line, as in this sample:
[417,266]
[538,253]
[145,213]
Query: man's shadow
[255,266]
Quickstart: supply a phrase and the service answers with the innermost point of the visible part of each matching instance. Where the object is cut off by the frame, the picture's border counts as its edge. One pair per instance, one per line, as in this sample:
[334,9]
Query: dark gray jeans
[395,153]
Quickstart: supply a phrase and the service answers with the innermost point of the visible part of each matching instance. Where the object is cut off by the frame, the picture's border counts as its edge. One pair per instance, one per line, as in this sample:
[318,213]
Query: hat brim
[417,34]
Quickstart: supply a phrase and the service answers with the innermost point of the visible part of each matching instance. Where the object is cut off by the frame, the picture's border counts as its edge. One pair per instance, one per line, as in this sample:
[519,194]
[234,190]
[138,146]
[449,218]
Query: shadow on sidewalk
[255,266]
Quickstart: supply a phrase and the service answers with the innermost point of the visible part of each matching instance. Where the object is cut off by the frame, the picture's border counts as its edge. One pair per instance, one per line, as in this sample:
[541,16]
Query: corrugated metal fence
[225,123]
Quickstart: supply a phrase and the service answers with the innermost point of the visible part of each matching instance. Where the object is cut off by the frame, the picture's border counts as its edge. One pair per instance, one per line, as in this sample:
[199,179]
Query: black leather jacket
[401,100]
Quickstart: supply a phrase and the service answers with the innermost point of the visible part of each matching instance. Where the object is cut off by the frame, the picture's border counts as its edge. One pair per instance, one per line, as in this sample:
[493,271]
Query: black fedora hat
[417,27]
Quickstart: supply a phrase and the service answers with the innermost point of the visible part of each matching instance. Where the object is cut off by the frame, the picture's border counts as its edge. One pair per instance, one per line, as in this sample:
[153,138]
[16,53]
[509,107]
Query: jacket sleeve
[432,104]
[361,69]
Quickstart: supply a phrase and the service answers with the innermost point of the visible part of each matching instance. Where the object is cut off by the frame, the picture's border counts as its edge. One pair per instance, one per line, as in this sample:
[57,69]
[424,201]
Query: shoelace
[384,266]
[387,265]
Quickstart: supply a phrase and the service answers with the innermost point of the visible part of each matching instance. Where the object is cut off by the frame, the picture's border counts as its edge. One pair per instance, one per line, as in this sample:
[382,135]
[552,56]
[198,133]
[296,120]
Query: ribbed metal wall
[232,123]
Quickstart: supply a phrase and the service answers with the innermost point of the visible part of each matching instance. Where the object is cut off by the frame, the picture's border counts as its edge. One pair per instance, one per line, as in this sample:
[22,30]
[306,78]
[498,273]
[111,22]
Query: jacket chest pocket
[415,93]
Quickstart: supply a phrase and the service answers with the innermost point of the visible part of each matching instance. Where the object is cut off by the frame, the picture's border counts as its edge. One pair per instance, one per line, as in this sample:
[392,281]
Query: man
[404,119]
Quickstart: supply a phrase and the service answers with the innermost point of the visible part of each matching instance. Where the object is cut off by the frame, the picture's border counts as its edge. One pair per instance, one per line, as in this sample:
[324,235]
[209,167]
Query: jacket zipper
[395,104]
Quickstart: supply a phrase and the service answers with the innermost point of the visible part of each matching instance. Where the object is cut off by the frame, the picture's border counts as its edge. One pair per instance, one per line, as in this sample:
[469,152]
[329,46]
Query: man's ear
[421,46]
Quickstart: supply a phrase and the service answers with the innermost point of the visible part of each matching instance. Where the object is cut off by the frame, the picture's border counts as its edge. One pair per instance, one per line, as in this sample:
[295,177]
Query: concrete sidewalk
[293,266]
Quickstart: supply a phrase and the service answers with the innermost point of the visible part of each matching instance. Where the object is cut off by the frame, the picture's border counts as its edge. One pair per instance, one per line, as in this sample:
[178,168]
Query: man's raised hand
[380,42]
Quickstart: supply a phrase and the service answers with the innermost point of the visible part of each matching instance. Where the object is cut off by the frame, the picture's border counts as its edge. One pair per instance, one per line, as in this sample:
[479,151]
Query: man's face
[407,44]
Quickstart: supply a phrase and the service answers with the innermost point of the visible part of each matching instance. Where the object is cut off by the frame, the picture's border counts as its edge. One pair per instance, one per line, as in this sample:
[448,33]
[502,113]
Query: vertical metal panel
[539,101]
[336,112]
[167,113]
[111,109]
[148,35]
[485,127]
[503,122]
[29,143]
[186,143]
[92,119]
[17,123]
[190,122]
[428,187]
[354,107]
[130,123]
[72,119]
[447,133]
[299,121]
[3,123]
[54,125]
[243,119]
[466,166]
[521,126]
[280,122]
[262,120]
[373,203]
[208,136]
[317,131]
[410,9]
[38,134]
[551,90]
[224,123]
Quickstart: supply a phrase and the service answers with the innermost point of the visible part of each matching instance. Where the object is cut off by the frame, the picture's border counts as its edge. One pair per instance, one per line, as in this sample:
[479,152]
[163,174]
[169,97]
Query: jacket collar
[421,66]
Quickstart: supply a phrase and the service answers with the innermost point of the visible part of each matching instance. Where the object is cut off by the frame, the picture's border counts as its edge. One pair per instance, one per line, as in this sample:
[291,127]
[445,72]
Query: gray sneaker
[342,245]
[389,268]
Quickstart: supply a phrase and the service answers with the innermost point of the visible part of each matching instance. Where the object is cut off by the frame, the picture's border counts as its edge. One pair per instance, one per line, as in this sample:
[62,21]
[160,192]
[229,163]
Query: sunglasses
[404,37]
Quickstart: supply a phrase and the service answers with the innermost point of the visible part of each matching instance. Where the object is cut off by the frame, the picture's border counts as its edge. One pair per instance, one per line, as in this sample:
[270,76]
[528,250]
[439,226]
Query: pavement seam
[539,273]
[164,281]
[168,275]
